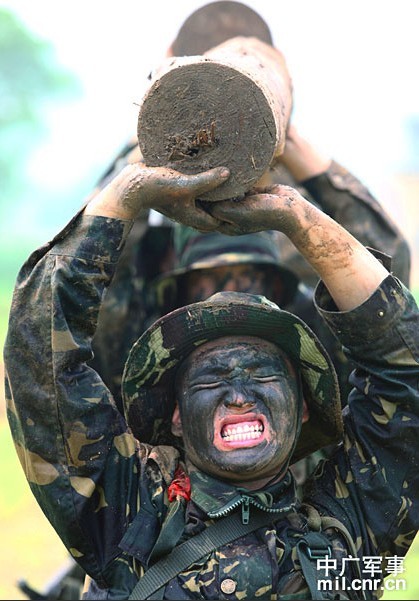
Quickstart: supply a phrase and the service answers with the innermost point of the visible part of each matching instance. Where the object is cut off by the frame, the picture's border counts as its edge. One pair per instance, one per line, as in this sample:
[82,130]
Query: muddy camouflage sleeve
[374,485]
[344,198]
[73,444]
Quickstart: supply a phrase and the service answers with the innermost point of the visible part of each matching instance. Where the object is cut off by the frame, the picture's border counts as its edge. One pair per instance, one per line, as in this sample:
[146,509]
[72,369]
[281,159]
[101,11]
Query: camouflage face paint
[239,401]
[254,279]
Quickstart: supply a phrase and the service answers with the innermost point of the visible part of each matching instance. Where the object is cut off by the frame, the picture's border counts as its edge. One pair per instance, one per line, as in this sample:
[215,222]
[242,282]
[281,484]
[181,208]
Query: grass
[411,565]
[31,549]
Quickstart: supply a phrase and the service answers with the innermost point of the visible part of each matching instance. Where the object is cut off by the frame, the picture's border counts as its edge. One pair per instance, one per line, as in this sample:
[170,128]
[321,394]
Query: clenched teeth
[246,432]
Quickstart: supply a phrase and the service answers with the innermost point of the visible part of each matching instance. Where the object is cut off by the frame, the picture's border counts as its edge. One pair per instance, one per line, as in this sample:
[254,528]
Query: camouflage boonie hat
[195,251]
[149,374]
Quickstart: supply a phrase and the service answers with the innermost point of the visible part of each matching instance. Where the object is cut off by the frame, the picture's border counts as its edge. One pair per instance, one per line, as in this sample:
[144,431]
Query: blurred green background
[70,78]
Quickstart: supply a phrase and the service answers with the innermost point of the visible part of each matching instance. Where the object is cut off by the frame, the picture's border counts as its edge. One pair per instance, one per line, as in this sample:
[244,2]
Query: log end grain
[205,114]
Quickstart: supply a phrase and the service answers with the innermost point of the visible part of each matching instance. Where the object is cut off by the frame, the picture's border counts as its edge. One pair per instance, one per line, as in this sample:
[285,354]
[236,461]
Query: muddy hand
[277,207]
[138,187]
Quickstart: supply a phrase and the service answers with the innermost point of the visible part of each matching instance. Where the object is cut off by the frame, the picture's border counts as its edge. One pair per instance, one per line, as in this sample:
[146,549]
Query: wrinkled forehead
[247,352]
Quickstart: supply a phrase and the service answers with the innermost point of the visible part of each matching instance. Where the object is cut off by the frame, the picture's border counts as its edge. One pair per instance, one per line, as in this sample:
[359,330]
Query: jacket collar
[218,498]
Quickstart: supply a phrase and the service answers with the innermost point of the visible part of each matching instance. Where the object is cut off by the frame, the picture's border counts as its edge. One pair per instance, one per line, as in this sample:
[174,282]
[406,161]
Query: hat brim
[148,378]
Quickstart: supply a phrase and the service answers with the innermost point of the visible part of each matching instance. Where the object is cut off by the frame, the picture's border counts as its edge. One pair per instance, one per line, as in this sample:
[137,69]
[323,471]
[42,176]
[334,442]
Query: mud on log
[230,107]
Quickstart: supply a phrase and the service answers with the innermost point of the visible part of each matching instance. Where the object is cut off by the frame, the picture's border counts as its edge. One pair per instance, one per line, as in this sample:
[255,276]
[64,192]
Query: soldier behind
[237,389]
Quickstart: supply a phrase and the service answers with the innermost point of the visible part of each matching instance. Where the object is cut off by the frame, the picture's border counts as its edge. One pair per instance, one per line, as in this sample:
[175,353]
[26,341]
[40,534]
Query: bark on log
[229,107]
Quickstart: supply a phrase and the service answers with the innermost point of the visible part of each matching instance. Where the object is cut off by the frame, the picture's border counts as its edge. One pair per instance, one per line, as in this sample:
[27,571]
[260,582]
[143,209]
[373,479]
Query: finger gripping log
[229,107]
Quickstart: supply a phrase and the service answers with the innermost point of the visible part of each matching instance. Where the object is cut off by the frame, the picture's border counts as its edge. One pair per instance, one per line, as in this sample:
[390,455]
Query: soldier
[133,301]
[237,390]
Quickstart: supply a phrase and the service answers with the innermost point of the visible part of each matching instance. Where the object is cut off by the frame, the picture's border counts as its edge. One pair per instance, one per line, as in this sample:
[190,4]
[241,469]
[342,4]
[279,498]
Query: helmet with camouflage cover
[150,371]
[195,251]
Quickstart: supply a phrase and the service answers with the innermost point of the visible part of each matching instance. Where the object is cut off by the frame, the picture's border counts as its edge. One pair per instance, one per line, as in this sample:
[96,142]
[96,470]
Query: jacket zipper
[245,501]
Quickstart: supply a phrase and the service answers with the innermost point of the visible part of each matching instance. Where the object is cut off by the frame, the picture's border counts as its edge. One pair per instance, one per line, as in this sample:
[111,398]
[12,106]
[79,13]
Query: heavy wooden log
[229,107]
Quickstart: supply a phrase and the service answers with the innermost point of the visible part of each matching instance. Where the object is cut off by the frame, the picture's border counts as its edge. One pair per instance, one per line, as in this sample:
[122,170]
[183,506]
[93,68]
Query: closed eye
[263,379]
[205,386]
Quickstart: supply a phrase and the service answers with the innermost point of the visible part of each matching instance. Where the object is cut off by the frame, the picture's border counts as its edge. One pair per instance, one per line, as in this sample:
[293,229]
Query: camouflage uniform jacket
[130,306]
[106,494]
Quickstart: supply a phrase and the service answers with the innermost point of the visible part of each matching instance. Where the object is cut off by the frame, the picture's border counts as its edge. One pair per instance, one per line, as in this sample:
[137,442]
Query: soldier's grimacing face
[238,398]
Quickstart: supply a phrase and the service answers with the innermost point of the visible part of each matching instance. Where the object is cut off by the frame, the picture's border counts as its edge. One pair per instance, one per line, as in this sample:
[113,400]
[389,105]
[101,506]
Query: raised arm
[344,198]
[347,268]
[75,448]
